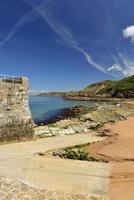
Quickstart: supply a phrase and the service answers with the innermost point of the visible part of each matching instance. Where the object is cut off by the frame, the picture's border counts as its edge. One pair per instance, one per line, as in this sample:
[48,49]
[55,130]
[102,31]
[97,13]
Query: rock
[105,133]
[74,112]
[59,152]
[41,132]
[96,117]
[8,108]
[49,134]
[87,117]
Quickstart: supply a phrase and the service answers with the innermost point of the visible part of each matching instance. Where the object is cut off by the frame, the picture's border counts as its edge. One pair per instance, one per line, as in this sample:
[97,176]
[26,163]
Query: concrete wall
[15,116]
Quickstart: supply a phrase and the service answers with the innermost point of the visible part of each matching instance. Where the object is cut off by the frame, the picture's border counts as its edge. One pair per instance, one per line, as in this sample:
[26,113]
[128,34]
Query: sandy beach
[122,177]
[119,150]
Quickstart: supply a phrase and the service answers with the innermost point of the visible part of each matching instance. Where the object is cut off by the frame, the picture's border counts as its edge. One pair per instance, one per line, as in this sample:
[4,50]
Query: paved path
[28,176]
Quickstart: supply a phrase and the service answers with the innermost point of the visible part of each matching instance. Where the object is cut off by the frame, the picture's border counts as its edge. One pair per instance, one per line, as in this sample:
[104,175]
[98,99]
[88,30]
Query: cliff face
[95,88]
[15,117]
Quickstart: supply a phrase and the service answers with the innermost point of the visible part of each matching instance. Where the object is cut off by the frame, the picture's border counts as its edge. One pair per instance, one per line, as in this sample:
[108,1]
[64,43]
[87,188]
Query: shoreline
[91,98]
[103,99]
[88,119]
[58,117]
[84,98]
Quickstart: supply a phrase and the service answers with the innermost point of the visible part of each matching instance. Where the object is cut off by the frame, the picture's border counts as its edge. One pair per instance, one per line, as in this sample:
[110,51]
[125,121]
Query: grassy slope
[108,87]
[126,84]
[97,87]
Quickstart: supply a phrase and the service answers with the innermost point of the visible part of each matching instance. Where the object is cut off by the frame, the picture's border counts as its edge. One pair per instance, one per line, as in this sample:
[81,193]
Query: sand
[119,149]
[123,146]
[122,181]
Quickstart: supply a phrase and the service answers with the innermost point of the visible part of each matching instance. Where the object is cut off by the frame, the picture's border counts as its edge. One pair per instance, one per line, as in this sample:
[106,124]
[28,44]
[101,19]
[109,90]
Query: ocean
[46,108]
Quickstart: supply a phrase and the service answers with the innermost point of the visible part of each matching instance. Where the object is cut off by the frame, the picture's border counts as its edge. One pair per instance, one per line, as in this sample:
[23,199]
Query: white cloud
[127,67]
[115,67]
[128,32]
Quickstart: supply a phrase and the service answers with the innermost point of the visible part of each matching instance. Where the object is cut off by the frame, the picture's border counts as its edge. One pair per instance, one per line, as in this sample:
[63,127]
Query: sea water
[45,108]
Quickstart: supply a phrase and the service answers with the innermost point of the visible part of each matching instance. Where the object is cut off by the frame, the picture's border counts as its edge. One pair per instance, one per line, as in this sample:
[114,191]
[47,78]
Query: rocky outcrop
[15,117]
[73,112]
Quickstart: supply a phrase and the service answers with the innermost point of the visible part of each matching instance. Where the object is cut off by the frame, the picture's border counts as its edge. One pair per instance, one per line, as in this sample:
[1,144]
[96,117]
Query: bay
[46,108]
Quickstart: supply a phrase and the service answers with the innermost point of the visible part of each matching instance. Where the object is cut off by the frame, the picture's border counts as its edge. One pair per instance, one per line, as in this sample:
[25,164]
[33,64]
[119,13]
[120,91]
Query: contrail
[24,20]
[65,34]
[42,10]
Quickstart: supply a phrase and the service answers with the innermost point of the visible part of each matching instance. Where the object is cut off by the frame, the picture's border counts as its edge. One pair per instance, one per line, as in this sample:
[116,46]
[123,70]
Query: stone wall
[15,116]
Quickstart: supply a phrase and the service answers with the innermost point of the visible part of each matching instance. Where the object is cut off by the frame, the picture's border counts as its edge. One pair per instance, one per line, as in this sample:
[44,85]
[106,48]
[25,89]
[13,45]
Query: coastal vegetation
[125,87]
[77,152]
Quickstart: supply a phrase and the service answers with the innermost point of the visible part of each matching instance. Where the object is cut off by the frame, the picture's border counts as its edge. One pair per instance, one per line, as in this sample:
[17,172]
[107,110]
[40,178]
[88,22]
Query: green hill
[106,89]
[126,84]
[95,88]
[122,88]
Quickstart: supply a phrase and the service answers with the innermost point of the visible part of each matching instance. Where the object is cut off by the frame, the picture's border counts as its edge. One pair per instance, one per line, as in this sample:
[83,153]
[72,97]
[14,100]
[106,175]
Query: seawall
[15,116]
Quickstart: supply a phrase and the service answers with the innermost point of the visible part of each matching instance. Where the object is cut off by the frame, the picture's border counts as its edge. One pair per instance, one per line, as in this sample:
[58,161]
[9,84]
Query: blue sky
[65,44]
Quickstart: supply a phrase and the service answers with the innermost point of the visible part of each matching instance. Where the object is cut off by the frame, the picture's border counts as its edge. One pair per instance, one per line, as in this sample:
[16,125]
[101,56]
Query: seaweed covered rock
[74,112]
